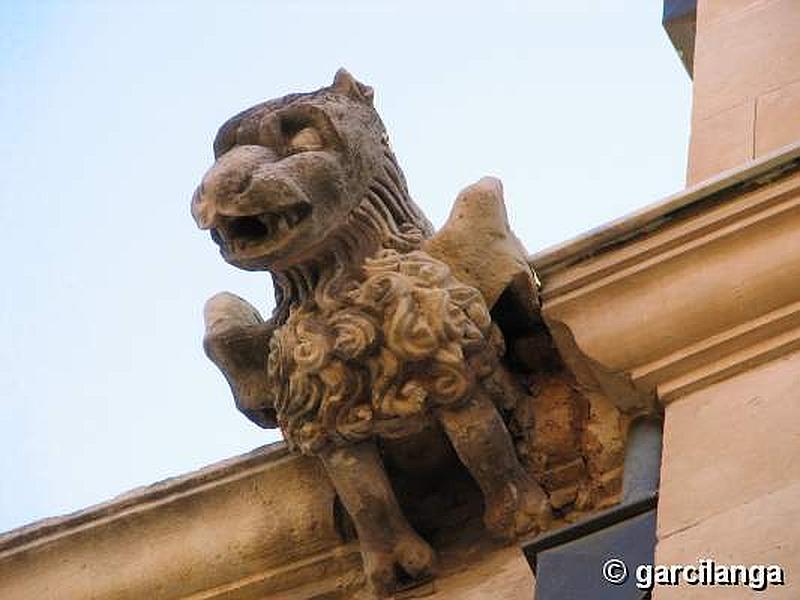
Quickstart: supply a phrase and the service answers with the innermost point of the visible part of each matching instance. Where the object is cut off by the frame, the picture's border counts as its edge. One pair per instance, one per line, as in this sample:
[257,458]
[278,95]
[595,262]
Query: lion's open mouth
[237,234]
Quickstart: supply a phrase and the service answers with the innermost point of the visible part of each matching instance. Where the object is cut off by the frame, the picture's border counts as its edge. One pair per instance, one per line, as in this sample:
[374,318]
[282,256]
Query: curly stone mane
[375,356]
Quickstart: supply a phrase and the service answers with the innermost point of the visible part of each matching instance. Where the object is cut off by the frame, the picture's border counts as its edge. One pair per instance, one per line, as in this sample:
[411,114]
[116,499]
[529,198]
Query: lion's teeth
[272,224]
[283,225]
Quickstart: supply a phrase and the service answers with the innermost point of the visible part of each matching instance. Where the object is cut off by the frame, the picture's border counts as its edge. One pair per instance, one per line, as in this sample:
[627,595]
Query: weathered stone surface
[385,331]
[480,248]
[245,528]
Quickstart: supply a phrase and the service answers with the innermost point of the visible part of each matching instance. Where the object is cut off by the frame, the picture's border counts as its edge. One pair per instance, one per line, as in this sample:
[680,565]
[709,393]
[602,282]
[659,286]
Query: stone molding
[683,293]
[248,527]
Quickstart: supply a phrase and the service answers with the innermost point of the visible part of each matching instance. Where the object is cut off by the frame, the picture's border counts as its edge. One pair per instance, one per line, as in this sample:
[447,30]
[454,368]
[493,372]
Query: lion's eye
[306,139]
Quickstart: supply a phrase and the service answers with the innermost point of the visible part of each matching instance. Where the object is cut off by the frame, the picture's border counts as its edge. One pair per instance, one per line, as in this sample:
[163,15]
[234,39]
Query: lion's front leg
[237,341]
[515,503]
[387,540]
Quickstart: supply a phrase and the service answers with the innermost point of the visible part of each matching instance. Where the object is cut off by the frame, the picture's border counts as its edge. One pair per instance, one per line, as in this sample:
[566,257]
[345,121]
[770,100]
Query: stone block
[729,444]
[713,10]
[745,54]
[763,531]
[721,141]
[778,119]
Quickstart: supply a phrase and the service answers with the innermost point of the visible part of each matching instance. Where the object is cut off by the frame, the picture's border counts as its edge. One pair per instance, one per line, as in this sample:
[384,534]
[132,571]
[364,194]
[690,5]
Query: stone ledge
[253,525]
[636,224]
[700,287]
[51,527]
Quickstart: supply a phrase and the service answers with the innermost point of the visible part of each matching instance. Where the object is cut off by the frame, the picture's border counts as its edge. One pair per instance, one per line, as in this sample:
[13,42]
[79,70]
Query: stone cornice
[167,490]
[254,525]
[685,292]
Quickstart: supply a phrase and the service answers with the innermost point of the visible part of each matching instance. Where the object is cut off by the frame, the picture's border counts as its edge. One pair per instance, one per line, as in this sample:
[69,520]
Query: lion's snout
[252,205]
[238,184]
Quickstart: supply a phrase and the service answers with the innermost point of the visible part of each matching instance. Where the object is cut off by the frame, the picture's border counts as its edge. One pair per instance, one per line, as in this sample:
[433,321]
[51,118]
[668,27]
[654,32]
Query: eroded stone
[384,331]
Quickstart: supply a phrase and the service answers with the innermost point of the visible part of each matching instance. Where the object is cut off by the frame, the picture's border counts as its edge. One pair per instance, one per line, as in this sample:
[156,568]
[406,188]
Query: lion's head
[300,179]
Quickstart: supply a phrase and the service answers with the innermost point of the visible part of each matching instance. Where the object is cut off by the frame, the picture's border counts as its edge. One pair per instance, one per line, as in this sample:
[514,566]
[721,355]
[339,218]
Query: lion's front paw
[410,559]
[237,341]
[516,508]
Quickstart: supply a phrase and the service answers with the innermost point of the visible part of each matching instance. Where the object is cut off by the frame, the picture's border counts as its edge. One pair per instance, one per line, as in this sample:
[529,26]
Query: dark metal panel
[642,460]
[680,22]
[575,570]
[675,9]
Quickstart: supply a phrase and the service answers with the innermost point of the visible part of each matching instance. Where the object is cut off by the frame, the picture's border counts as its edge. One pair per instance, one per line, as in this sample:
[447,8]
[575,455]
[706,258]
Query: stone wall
[746,83]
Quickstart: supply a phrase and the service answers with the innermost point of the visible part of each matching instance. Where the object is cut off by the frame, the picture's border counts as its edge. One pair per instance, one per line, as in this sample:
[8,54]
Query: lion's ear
[346,84]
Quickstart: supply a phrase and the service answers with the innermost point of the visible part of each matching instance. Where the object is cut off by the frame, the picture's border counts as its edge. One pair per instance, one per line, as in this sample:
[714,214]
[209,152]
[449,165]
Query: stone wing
[482,251]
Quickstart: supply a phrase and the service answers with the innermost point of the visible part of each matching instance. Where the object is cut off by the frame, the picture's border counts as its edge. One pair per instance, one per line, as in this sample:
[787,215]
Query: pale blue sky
[108,111]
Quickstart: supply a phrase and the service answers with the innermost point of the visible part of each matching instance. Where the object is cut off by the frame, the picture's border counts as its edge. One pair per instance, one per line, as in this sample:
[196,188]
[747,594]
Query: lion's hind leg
[515,503]
[387,540]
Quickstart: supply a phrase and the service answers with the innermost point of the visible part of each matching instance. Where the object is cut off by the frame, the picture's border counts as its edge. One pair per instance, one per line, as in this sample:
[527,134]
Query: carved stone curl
[382,330]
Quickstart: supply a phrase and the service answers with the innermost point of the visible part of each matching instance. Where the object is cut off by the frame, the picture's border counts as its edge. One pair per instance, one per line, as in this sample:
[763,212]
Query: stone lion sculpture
[382,329]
